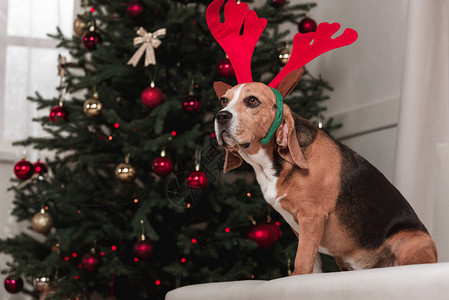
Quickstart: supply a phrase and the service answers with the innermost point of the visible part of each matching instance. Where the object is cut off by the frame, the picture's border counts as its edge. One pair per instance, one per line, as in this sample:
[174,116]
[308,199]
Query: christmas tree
[132,202]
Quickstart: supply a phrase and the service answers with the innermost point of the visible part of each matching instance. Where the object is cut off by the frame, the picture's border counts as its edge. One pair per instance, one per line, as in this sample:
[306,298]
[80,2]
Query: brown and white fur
[335,201]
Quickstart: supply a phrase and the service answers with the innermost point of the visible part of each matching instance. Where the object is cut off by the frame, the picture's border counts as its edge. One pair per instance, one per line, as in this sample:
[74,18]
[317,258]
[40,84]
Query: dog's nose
[223,117]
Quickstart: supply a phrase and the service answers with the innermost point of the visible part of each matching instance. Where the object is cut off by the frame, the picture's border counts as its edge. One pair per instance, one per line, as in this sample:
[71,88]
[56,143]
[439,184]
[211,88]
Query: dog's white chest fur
[267,181]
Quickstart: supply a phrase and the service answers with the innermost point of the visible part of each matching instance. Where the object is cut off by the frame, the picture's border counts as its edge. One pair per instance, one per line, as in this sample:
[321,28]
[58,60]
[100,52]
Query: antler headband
[240,47]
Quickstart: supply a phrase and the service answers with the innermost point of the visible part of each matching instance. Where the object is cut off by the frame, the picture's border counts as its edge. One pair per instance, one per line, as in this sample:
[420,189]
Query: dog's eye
[251,101]
[223,101]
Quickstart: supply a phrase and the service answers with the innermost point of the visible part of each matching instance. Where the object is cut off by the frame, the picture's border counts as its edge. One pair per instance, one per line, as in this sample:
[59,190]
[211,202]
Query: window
[28,63]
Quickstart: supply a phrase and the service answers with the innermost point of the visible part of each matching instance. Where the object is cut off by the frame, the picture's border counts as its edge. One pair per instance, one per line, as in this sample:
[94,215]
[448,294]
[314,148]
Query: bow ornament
[148,42]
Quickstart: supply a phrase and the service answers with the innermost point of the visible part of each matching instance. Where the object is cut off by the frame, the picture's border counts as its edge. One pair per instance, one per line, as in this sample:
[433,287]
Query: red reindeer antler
[304,51]
[239,48]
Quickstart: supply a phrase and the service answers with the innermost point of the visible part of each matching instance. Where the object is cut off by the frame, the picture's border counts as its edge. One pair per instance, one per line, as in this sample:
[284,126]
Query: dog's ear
[220,88]
[287,140]
[232,160]
[289,82]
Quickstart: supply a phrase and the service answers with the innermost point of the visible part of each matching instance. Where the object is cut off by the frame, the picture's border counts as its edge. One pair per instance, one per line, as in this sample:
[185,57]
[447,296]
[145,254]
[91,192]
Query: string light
[228,229]
[183,260]
[248,194]
[173,133]
[113,247]
[74,255]
[157,282]
[194,241]
[116,125]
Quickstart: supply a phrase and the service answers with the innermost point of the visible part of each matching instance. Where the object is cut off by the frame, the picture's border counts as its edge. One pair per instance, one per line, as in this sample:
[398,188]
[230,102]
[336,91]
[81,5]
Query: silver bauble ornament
[41,283]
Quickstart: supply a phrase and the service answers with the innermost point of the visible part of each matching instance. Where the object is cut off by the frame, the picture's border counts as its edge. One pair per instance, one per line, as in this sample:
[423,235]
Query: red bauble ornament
[265,235]
[162,166]
[143,249]
[23,169]
[91,39]
[278,3]
[40,168]
[152,96]
[191,104]
[225,68]
[135,9]
[58,113]
[90,262]
[307,25]
[13,284]
[197,179]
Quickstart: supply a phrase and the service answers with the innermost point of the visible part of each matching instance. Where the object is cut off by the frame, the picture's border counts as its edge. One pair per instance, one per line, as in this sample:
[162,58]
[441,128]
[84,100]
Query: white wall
[366,76]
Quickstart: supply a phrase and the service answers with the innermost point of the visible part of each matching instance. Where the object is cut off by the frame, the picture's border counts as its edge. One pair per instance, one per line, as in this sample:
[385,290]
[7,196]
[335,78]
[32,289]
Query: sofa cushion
[429,281]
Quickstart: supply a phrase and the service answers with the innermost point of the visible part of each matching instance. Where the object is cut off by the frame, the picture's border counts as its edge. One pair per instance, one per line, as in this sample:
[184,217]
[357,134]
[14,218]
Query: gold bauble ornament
[41,283]
[93,106]
[42,222]
[125,172]
[284,55]
[79,26]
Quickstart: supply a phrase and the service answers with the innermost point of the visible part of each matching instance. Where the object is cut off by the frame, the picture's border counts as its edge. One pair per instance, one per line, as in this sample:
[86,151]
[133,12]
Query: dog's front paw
[302,269]
[295,273]
[299,272]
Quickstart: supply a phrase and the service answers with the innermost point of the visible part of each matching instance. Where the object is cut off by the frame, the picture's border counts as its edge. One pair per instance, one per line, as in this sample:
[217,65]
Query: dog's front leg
[311,227]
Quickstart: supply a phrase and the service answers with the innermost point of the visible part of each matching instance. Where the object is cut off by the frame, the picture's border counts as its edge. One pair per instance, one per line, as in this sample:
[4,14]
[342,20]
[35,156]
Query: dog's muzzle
[223,117]
[222,124]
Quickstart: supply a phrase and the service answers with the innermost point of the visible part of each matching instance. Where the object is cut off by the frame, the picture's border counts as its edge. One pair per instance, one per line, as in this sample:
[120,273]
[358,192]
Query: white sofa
[423,282]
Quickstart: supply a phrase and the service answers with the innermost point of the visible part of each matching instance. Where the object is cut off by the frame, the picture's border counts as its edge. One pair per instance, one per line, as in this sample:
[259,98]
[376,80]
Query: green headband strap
[277,120]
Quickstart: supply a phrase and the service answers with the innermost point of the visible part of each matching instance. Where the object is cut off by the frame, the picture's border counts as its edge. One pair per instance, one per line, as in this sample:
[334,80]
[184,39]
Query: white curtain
[28,60]
[28,63]
[422,155]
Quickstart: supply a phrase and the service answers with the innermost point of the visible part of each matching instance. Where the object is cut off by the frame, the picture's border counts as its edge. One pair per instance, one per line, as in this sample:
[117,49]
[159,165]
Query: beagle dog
[336,202]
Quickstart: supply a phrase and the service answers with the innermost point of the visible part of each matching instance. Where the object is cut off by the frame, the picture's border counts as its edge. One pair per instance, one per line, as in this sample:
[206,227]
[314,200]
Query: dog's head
[250,107]
[248,110]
